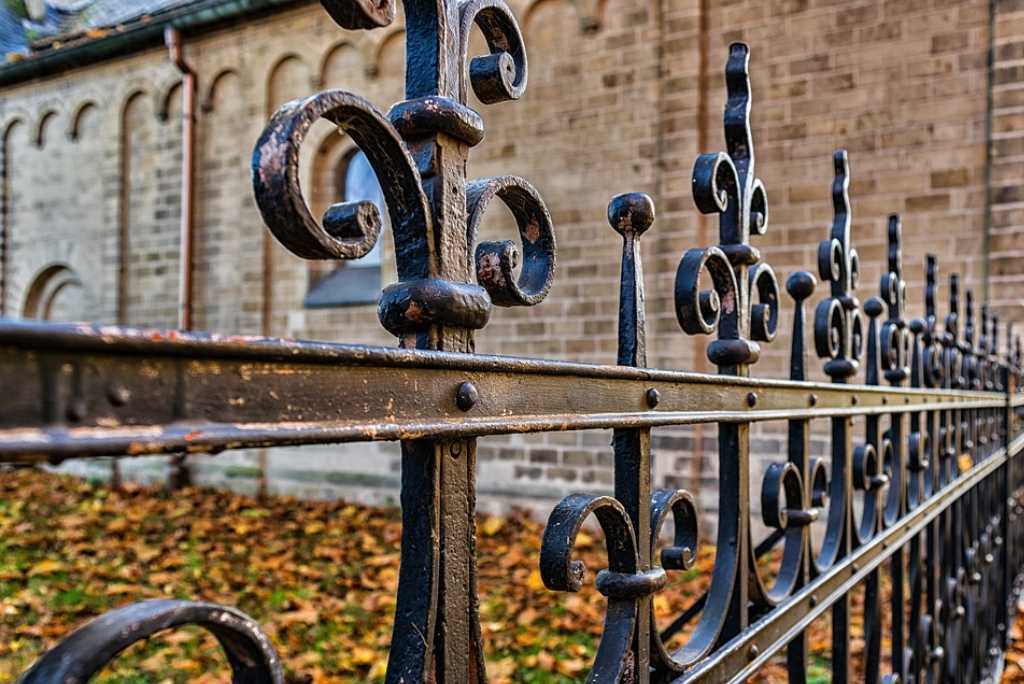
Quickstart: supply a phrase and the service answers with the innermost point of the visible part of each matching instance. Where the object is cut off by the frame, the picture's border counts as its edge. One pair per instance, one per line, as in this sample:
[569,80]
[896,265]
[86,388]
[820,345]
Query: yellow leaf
[47,567]
[308,616]
[505,667]
[363,656]
[491,526]
[534,581]
[183,664]
[146,553]
[154,663]
[527,617]
[570,667]
[379,669]
[122,588]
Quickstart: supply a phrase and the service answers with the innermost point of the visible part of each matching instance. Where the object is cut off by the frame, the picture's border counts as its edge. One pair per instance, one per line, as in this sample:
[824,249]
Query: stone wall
[622,97]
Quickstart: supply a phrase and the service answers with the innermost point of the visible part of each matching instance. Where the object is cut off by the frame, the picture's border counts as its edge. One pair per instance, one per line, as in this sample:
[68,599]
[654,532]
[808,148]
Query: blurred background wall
[927,96]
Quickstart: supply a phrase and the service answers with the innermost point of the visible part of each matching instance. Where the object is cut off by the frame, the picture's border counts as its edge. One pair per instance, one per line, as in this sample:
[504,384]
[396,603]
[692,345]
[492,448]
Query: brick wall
[622,97]
[1006,242]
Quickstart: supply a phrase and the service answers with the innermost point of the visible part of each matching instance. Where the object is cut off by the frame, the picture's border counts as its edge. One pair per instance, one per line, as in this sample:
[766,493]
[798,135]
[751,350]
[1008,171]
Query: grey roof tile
[70,17]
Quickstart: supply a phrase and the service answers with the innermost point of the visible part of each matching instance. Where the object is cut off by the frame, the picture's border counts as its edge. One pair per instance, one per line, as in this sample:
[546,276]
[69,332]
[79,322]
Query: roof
[71,34]
[61,20]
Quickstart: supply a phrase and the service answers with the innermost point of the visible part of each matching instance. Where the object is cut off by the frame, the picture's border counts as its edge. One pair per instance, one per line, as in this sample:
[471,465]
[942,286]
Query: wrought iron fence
[936,470]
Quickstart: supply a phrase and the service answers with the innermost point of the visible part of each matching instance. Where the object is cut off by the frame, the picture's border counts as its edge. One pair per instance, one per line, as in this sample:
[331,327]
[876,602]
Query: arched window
[360,183]
[349,283]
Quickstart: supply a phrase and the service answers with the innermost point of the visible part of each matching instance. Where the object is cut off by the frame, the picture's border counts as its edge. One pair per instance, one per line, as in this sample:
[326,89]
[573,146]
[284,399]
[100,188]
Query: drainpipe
[172,38]
[179,475]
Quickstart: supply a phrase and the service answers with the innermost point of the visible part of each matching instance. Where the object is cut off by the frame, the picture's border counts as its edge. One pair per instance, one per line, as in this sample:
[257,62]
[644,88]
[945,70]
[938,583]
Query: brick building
[927,96]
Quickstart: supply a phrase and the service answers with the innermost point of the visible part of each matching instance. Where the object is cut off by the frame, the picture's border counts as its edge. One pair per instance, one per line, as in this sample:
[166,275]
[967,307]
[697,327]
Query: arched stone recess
[589,14]
[56,293]
[342,63]
[84,119]
[388,52]
[289,77]
[54,282]
[46,122]
[11,128]
[168,97]
[384,80]
[89,190]
[284,274]
[229,233]
[43,220]
[223,78]
[149,210]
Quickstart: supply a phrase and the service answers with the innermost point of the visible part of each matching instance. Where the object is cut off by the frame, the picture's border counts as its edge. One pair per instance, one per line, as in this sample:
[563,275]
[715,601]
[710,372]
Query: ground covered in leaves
[320,577]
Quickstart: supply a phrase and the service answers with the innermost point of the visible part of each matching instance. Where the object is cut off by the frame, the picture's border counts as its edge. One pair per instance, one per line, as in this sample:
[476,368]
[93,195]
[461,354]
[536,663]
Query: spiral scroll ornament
[743,302]
[838,327]
[448,280]
[431,205]
[895,334]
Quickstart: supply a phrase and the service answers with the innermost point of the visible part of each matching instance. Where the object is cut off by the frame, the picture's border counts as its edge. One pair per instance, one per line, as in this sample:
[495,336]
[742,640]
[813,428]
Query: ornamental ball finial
[631,212]
[800,285]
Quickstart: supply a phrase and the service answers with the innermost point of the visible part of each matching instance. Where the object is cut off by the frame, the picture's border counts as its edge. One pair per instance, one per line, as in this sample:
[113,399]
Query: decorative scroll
[724,184]
[838,331]
[421,220]
[91,647]
[931,495]
[447,283]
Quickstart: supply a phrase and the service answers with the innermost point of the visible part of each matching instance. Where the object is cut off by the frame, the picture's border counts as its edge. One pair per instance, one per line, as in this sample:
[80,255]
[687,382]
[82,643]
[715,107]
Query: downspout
[172,38]
[179,476]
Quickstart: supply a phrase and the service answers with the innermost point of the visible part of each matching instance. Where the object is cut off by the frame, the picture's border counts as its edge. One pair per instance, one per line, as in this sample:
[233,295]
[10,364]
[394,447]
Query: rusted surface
[91,647]
[934,484]
[92,392]
[419,154]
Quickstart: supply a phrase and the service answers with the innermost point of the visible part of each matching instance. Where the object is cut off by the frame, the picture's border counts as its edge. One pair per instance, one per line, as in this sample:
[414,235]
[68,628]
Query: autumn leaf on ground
[319,577]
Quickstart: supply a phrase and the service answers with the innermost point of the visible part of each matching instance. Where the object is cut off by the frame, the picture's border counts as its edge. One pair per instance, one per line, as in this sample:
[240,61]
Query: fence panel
[935,472]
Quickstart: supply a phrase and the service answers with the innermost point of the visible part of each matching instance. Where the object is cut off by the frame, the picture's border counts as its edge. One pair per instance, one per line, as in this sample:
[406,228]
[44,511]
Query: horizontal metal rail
[741,657]
[89,391]
[931,481]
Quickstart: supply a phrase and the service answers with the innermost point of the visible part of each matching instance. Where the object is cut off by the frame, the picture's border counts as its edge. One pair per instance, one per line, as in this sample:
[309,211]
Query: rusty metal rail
[929,494]
[112,392]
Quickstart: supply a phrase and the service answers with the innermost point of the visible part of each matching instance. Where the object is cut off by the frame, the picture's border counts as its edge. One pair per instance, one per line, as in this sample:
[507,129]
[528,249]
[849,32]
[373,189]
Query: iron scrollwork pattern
[907,457]
[929,501]
[87,650]
[743,307]
[447,281]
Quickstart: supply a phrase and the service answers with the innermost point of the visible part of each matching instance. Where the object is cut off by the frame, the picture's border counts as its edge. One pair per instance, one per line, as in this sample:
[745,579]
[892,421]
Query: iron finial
[838,327]
[725,184]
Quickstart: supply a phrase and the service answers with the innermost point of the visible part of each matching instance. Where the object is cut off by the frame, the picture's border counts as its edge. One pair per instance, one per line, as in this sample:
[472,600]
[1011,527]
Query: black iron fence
[927,501]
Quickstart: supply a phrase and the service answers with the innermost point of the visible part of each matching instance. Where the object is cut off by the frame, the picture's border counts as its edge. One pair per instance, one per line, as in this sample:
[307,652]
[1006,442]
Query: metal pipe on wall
[172,38]
[179,475]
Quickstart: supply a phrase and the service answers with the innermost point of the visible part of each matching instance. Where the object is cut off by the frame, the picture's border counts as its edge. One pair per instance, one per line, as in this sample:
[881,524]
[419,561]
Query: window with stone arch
[350,283]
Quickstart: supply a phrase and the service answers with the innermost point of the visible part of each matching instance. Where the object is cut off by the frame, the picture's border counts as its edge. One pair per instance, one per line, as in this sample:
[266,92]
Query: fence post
[1006,480]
